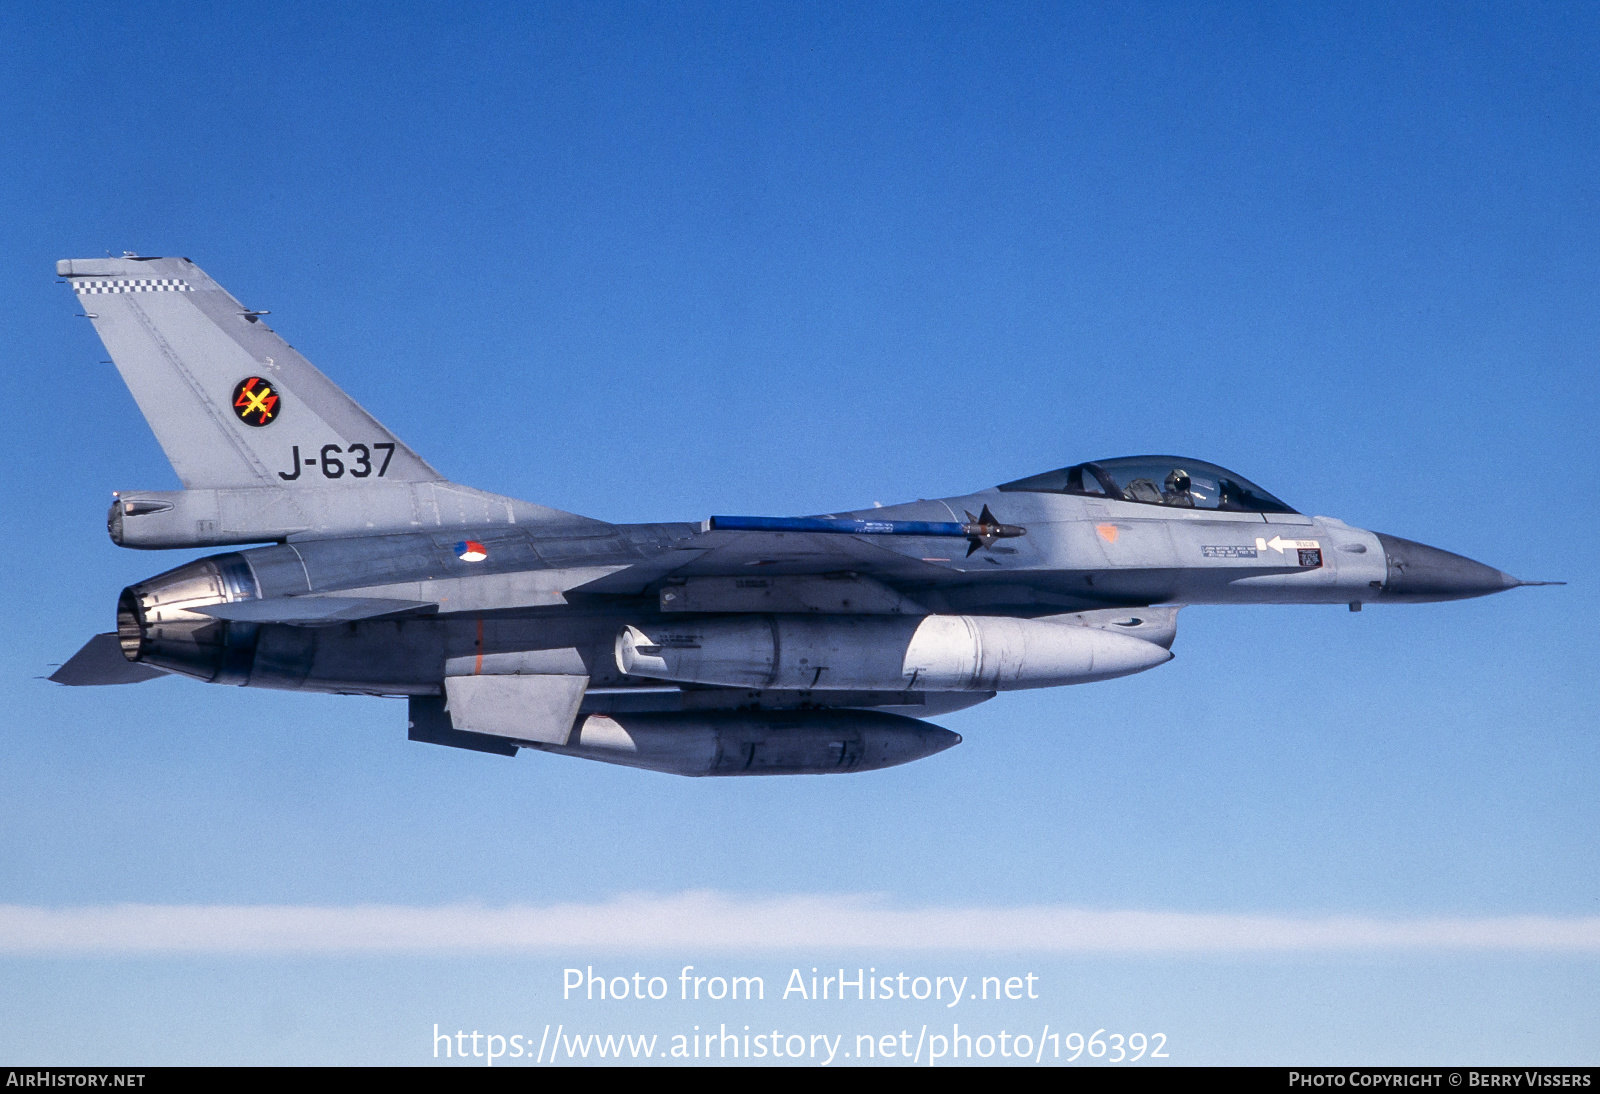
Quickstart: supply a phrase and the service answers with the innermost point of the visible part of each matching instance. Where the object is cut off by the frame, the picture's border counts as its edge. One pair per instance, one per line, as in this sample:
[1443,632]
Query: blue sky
[652,262]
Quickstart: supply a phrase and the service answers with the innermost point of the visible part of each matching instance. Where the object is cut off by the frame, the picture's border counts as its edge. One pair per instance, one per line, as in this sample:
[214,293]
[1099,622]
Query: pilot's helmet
[1178,481]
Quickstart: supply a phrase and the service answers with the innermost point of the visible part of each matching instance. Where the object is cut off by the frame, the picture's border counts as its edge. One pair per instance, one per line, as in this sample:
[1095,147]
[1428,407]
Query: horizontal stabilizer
[312,611]
[101,662]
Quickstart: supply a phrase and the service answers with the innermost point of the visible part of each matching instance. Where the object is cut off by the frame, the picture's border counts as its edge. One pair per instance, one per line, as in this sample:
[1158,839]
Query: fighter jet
[734,645]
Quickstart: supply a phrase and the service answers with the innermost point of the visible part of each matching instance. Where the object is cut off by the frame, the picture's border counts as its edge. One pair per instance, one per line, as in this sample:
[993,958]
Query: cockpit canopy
[1157,480]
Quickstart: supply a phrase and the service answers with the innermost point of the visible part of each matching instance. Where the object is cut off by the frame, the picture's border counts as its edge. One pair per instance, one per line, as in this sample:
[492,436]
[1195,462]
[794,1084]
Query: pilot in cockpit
[1179,490]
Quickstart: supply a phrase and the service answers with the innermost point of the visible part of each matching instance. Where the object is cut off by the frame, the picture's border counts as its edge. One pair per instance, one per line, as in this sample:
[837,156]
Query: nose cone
[1419,573]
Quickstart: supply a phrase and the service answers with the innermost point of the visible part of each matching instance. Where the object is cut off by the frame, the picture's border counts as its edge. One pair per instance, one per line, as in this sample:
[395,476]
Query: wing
[314,611]
[736,554]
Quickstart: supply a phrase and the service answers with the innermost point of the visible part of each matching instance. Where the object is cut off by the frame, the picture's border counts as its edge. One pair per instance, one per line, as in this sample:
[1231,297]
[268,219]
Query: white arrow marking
[1280,545]
[1293,544]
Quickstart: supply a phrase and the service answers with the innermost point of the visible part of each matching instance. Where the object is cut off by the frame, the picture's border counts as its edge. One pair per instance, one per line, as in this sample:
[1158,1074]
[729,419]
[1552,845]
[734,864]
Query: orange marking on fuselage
[1108,532]
[477,669]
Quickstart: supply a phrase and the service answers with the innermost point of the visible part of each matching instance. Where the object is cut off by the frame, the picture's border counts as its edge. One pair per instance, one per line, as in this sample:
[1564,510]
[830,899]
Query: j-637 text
[333,467]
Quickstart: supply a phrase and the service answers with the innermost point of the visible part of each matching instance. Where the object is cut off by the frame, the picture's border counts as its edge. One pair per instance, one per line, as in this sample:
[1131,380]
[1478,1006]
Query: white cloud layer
[710,921]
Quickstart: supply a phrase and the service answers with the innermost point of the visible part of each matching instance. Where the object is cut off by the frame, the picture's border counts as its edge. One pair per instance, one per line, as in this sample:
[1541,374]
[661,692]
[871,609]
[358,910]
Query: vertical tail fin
[232,404]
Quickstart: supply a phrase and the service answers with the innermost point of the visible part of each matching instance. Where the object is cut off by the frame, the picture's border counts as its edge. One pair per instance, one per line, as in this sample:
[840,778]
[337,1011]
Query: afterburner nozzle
[157,623]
